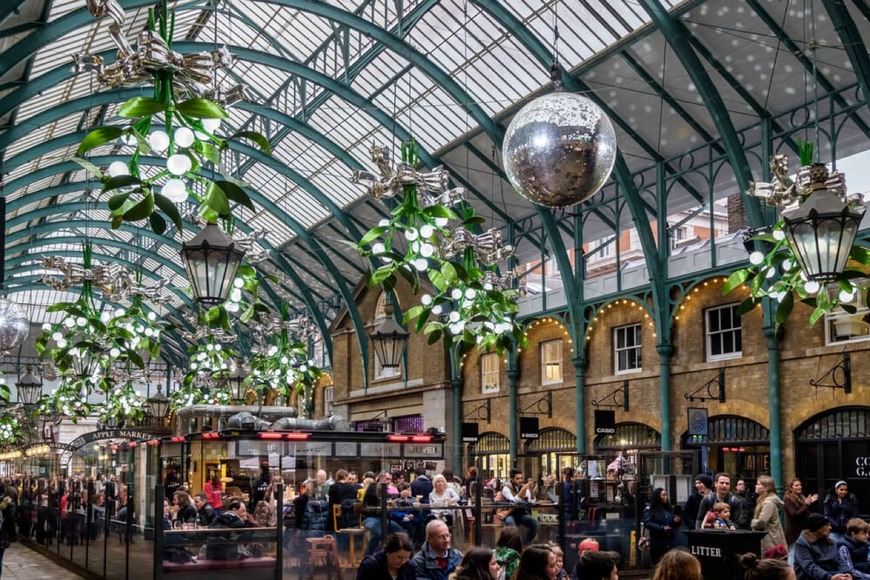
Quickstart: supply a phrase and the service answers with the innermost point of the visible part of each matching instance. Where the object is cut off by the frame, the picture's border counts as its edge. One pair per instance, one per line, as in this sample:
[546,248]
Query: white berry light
[184,137]
[178,164]
[159,141]
[175,190]
[117,168]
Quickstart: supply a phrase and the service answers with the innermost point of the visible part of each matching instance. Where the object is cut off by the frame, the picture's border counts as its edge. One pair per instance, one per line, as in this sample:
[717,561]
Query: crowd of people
[821,540]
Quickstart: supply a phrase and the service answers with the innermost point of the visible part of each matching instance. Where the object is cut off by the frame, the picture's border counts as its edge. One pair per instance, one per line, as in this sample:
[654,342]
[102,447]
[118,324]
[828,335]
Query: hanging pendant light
[389,340]
[29,388]
[211,259]
[158,404]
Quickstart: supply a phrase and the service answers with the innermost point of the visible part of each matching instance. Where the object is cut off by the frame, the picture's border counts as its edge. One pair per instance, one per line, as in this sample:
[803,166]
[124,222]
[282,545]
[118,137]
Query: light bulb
[211,125]
[152,316]
[81,321]
[470,293]
[384,223]
[238,283]
[184,137]
[454,316]
[441,221]
[115,353]
[118,168]
[236,295]
[69,322]
[487,286]
[175,190]
[218,347]
[846,295]
[456,294]
[178,164]
[46,327]
[411,234]
[232,307]
[437,309]
[770,272]
[756,258]
[61,343]
[421,264]
[426,231]
[812,286]
[159,141]
[778,235]
[119,312]
[57,336]
[787,265]
[426,300]
[426,250]
[378,248]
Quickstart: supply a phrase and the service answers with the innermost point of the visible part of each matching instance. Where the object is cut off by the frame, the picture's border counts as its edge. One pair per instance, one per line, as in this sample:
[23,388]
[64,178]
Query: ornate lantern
[211,259]
[29,388]
[389,340]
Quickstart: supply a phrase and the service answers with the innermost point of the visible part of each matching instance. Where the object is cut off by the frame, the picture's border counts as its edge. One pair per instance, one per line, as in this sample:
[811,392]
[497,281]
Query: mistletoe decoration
[465,300]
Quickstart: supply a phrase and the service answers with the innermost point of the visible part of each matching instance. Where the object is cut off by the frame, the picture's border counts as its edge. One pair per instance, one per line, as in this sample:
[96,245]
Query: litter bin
[718,550]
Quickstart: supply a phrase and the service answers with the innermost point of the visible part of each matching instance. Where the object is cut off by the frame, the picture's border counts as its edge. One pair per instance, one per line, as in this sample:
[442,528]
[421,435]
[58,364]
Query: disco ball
[14,325]
[559,150]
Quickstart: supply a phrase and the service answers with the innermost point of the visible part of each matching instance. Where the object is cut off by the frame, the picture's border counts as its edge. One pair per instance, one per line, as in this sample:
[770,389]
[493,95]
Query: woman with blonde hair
[441,495]
[678,565]
[768,509]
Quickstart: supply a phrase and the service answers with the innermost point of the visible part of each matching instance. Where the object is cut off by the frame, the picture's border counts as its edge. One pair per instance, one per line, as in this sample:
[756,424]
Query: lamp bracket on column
[712,390]
[837,377]
[543,406]
[484,411]
[617,399]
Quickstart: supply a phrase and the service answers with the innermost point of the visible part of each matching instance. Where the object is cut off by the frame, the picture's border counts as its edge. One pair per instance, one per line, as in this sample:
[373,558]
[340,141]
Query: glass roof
[354,74]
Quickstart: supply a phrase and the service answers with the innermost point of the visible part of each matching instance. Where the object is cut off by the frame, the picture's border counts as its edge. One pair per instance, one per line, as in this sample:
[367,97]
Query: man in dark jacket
[437,559]
[747,498]
[703,483]
[856,546]
[722,493]
[421,487]
[226,546]
[204,511]
[815,555]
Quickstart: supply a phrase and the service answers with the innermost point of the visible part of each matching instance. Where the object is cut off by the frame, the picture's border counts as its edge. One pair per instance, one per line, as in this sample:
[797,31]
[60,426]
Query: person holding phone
[517,492]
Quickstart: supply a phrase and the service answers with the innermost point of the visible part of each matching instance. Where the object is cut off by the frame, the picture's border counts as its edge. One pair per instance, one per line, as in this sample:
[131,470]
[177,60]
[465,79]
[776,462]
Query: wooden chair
[352,533]
[323,557]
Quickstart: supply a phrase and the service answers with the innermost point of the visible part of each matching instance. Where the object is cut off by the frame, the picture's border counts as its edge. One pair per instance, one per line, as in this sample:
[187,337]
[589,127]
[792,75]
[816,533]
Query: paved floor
[22,563]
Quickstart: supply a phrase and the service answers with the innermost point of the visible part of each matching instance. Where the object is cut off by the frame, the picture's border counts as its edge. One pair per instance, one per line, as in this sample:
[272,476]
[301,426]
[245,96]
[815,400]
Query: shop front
[491,455]
[734,445]
[553,449]
[833,446]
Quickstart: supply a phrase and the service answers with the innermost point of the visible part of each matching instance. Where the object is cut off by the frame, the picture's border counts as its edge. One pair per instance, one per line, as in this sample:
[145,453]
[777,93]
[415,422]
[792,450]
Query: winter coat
[655,521]
[7,522]
[796,513]
[425,566]
[768,520]
[374,567]
[509,558]
[815,559]
[858,553]
[316,514]
[840,512]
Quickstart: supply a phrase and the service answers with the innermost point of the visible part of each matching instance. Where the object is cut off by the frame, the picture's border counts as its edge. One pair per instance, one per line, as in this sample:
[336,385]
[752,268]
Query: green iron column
[457,383]
[580,400]
[774,404]
[513,375]
[665,351]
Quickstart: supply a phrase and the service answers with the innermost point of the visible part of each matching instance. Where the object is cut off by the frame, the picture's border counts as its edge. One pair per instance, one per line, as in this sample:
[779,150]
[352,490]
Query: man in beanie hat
[721,493]
[815,555]
[703,483]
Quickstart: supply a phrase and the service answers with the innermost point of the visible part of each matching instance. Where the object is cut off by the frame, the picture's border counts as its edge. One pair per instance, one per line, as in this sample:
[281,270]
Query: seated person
[517,492]
[853,549]
[204,510]
[442,495]
[226,546]
[815,555]
[409,519]
[719,518]
[596,566]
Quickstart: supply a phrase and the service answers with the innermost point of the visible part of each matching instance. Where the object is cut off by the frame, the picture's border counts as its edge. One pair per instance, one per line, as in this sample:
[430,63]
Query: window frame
[544,347]
[638,346]
[328,398]
[488,389]
[708,334]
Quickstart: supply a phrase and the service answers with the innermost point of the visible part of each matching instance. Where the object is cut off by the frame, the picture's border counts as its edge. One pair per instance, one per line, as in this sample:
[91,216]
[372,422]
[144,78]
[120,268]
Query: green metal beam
[853,43]
[10,7]
[677,39]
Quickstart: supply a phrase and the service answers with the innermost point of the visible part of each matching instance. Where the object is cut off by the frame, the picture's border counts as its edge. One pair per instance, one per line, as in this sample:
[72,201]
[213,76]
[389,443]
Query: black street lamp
[211,260]
[821,232]
[389,340]
[158,405]
[236,382]
[29,388]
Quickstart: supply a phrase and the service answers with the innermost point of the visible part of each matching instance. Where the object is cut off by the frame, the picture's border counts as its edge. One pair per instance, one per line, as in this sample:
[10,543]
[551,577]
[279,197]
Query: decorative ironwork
[491,443]
[617,398]
[553,440]
[837,377]
[484,411]
[116,282]
[629,435]
[707,388]
[838,424]
[544,406]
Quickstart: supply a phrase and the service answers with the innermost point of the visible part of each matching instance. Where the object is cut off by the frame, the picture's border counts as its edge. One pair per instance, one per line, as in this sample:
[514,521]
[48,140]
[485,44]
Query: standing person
[7,522]
[437,559]
[703,484]
[765,568]
[840,507]
[391,562]
[171,482]
[478,564]
[815,555]
[797,510]
[571,494]
[722,492]
[517,492]
[471,481]
[214,490]
[748,499]
[659,519]
[768,509]
[260,485]
[537,563]
[678,565]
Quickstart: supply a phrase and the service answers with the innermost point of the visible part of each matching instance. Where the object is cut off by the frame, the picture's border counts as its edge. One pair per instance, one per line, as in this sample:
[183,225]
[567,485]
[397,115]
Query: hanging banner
[529,428]
[470,433]
[605,422]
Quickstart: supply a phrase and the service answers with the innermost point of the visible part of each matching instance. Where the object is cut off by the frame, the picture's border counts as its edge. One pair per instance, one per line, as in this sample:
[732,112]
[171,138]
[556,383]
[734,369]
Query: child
[561,573]
[853,549]
[587,545]
[720,517]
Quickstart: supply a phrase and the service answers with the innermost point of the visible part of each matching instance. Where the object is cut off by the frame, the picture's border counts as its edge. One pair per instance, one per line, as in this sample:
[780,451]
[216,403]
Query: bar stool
[323,556]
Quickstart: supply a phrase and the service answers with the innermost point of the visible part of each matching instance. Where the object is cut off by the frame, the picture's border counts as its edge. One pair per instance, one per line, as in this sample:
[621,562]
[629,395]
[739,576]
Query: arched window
[629,436]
